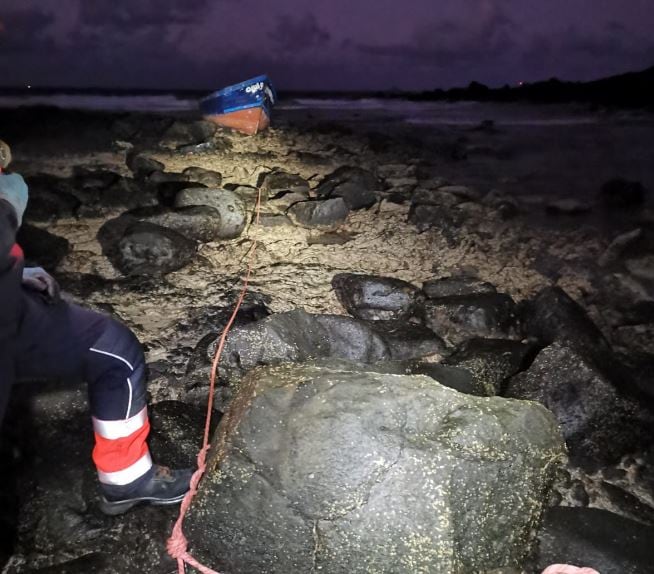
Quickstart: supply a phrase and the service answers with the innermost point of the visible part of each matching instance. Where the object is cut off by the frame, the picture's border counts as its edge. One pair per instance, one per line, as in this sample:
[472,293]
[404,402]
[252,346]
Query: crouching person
[42,336]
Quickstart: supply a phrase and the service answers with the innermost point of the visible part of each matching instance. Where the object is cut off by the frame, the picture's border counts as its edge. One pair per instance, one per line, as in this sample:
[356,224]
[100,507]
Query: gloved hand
[39,279]
[14,190]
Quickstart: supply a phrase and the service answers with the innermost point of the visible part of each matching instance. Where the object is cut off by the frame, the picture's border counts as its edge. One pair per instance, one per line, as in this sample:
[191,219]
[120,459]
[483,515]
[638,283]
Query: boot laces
[163,473]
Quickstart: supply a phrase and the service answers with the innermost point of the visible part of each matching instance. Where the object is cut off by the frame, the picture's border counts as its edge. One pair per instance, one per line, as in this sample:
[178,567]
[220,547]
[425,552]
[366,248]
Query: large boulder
[375,298]
[337,470]
[600,424]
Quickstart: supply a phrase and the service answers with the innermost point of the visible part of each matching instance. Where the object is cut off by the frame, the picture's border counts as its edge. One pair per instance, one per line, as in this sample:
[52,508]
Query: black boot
[159,486]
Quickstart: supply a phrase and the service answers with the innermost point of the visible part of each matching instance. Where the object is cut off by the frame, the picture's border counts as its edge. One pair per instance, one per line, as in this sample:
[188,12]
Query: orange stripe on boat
[249,121]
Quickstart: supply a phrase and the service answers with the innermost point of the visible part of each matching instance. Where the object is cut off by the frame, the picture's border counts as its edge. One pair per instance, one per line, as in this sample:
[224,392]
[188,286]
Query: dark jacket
[11,300]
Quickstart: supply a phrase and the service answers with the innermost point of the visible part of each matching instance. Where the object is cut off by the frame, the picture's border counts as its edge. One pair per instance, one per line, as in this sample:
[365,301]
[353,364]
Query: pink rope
[568,569]
[177,544]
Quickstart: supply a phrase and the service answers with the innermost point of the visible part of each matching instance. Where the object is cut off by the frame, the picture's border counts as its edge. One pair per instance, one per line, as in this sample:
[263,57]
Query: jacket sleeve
[8,229]
[10,298]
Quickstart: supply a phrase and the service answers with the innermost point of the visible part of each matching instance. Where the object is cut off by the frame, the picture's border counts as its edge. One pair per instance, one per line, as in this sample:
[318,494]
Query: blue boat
[244,107]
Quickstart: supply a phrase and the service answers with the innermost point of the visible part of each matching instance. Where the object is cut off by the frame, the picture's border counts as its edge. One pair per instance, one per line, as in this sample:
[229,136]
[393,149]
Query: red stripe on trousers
[118,454]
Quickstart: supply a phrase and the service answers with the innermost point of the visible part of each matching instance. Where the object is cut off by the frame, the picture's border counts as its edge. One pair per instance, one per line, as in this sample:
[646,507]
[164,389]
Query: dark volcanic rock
[408,340]
[490,361]
[298,336]
[197,222]
[458,285]
[619,245]
[599,424]
[231,208]
[167,190]
[554,316]
[596,539]
[184,132]
[369,465]
[620,193]
[87,179]
[142,165]
[461,317]
[326,213]
[280,182]
[51,198]
[447,221]
[141,248]
[159,177]
[375,298]
[355,185]
[206,177]
[122,194]
[41,247]
[452,377]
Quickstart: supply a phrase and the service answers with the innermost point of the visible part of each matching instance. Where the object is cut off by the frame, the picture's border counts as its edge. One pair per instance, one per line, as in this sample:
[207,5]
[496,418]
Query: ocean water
[396,110]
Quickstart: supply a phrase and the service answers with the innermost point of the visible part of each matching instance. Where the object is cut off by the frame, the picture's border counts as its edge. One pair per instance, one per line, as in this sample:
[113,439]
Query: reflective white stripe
[127,475]
[129,382]
[122,428]
[129,401]
[114,356]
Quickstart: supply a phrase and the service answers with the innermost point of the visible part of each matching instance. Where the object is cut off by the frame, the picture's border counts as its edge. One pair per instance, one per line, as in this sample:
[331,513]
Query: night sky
[320,45]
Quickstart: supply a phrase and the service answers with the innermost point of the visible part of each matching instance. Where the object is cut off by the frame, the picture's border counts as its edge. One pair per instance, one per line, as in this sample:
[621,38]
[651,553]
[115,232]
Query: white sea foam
[375,109]
[133,103]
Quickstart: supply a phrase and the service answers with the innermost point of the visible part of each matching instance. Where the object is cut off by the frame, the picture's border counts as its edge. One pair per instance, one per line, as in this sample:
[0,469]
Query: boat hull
[249,121]
[244,107]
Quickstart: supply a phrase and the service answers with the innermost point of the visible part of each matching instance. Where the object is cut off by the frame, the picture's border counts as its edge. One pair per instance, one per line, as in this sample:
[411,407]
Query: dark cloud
[583,55]
[21,29]
[130,14]
[447,42]
[367,44]
[293,34]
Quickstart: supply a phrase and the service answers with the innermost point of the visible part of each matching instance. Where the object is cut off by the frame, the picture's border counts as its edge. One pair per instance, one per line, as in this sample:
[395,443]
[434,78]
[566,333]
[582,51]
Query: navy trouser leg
[65,341]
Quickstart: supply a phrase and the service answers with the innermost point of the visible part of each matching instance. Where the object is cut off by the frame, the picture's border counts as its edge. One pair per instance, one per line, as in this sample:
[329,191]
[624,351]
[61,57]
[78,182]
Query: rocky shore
[377,270]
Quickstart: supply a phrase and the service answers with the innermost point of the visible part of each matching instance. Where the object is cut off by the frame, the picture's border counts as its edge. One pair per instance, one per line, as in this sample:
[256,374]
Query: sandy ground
[521,155]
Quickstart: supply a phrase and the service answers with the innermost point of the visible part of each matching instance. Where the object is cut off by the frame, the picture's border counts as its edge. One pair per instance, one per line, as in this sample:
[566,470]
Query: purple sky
[327,45]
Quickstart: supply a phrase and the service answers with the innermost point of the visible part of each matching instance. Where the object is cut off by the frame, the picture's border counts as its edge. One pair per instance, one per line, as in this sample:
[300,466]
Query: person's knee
[119,347]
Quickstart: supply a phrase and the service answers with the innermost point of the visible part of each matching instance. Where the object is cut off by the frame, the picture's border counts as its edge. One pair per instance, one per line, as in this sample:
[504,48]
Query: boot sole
[121,506]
